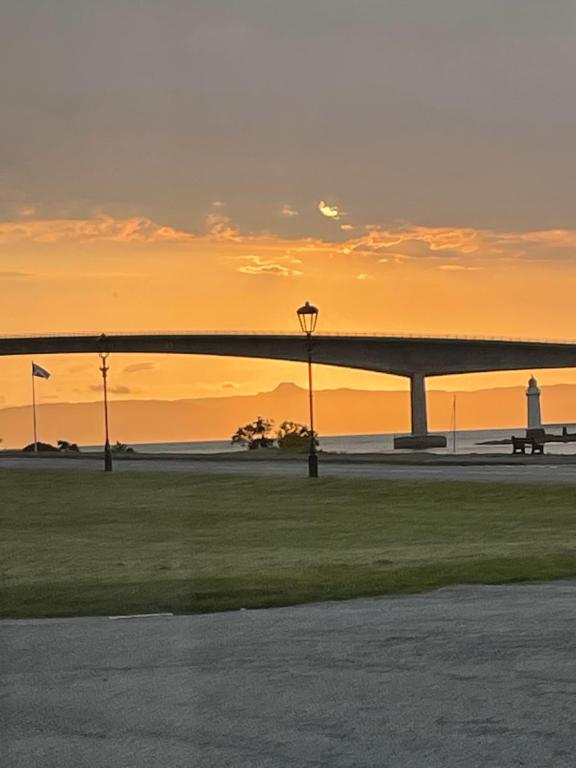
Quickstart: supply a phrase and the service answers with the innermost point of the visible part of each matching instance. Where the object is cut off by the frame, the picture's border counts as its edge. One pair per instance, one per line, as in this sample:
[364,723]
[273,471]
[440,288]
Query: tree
[121,448]
[66,447]
[255,435]
[292,435]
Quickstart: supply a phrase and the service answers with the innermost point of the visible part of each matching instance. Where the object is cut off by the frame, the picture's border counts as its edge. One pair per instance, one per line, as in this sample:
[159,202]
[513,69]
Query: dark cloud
[114,390]
[137,367]
[446,112]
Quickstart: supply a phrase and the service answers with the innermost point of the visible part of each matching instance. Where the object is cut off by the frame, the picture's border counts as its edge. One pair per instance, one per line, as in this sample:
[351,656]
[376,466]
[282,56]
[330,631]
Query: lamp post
[308,317]
[107,452]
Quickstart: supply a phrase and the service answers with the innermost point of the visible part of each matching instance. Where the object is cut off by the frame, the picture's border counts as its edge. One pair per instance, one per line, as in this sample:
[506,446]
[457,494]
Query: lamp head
[308,317]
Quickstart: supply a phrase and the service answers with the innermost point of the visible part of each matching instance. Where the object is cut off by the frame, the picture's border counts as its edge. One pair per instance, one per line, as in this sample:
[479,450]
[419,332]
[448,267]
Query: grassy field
[77,543]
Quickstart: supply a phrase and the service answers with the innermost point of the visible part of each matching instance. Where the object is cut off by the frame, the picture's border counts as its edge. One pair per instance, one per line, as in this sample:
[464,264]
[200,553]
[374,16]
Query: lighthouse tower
[533,399]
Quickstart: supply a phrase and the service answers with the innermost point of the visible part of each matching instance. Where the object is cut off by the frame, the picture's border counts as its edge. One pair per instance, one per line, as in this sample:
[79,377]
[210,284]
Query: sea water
[466,441]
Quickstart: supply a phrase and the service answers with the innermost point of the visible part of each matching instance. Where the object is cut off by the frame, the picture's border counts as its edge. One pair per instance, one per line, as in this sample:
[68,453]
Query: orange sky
[106,274]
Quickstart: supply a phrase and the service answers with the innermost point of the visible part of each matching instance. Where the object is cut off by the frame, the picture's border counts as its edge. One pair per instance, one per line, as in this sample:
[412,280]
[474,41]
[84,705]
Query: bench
[519,445]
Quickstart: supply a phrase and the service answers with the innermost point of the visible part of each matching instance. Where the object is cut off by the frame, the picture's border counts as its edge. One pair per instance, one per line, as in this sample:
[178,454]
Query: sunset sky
[209,165]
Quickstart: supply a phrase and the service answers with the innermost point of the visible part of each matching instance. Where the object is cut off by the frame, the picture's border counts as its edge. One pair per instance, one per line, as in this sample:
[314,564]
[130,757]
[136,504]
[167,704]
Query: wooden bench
[519,445]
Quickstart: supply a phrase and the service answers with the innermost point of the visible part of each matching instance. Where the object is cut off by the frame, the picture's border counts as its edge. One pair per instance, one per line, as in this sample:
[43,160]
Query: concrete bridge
[413,358]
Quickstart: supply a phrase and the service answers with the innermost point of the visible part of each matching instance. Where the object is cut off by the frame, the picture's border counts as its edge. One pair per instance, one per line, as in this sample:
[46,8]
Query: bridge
[415,358]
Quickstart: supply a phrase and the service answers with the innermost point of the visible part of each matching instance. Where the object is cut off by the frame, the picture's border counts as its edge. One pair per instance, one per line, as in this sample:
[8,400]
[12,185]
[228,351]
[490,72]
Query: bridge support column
[419,439]
[418,411]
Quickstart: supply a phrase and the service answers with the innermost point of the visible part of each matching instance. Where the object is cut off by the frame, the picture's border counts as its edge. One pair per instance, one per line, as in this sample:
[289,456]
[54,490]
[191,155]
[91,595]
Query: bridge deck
[400,355]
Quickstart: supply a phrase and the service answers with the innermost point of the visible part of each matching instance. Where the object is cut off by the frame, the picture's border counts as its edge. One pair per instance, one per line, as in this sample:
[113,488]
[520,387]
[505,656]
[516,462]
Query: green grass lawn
[77,543]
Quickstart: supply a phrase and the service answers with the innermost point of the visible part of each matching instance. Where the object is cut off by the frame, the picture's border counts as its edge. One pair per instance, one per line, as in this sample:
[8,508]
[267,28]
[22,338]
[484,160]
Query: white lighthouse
[533,399]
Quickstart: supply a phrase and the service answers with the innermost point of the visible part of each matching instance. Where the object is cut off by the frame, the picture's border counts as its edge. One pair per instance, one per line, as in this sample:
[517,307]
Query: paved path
[476,677]
[525,473]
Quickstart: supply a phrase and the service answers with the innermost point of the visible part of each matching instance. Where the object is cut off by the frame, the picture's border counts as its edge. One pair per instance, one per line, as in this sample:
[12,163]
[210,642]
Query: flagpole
[34,411]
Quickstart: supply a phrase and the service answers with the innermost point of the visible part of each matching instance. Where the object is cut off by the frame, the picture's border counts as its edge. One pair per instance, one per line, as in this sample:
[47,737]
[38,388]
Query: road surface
[519,473]
[482,677]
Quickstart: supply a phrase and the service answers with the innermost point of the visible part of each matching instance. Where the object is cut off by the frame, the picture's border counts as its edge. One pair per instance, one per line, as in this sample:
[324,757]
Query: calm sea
[468,441]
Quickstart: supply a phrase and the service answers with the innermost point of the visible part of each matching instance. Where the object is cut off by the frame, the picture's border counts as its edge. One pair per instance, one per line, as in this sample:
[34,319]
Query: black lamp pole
[107,452]
[308,317]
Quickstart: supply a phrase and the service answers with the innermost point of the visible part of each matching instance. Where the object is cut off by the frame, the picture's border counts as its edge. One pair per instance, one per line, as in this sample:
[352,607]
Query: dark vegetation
[260,433]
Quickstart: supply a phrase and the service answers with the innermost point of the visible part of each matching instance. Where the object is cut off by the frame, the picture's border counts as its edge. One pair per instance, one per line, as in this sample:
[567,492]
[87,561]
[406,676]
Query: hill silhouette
[339,411]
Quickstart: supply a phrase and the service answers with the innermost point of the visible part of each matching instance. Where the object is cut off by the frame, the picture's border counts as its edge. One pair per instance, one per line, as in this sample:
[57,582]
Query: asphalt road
[481,677]
[520,473]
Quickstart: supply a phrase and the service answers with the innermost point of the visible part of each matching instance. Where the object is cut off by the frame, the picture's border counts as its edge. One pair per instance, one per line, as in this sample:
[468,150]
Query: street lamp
[107,452]
[308,317]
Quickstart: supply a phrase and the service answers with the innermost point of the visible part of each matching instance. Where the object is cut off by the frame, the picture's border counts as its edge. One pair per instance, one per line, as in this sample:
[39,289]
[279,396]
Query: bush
[42,448]
[293,436]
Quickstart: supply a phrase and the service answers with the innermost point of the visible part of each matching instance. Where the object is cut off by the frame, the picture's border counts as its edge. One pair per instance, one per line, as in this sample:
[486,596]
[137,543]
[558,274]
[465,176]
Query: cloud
[458,268]
[289,211]
[330,211]
[347,227]
[218,387]
[350,251]
[12,274]
[556,237]
[261,266]
[416,240]
[465,246]
[218,204]
[99,228]
[137,367]
[117,390]
[278,270]
[364,276]
[460,247]
[220,227]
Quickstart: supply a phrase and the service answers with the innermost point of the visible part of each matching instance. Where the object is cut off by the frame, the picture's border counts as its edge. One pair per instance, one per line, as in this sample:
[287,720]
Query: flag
[40,372]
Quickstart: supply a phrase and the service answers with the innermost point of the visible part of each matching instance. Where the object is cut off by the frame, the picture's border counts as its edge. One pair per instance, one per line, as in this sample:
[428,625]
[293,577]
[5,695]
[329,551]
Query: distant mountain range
[339,412]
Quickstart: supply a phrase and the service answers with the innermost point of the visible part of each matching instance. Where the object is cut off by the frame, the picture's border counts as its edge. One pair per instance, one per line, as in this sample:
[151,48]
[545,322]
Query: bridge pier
[419,439]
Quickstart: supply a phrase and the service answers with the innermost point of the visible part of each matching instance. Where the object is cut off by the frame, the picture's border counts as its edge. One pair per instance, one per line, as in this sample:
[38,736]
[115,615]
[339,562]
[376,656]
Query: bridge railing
[281,334]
